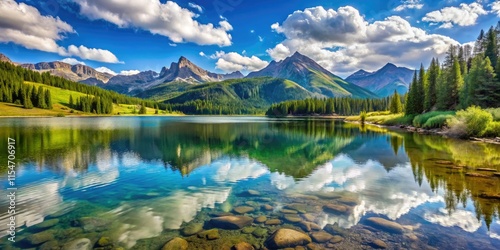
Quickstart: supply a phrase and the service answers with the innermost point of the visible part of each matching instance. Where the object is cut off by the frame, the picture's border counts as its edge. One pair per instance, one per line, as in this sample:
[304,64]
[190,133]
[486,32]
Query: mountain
[4,58]
[183,71]
[252,93]
[384,81]
[310,75]
[77,73]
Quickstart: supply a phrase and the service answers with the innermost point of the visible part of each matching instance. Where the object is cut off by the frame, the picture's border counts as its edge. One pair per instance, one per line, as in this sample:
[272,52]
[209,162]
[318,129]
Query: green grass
[59,95]
[384,118]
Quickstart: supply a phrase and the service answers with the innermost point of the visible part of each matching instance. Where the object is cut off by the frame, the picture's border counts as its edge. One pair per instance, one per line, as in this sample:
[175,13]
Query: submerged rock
[46,224]
[292,218]
[288,211]
[79,244]
[284,237]
[261,219]
[335,229]
[336,209]
[336,239]
[301,208]
[385,225]
[250,193]
[39,238]
[211,234]
[192,229]
[50,245]
[176,244]
[243,246]
[267,207]
[308,217]
[309,226]
[476,175]
[231,222]
[378,244]
[273,222]
[243,209]
[321,237]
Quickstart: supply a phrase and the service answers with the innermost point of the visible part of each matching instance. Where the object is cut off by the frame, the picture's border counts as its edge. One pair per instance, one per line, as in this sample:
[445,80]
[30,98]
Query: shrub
[475,119]
[436,121]
[60,115]
[495,113]
[493,130]
[362,116]
[420,120]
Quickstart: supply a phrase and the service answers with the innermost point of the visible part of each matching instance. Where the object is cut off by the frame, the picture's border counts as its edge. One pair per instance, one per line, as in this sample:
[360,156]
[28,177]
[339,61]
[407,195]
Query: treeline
[13,90]
[207,107]
[96,105]
[468,77]
[329,106]
[12,78]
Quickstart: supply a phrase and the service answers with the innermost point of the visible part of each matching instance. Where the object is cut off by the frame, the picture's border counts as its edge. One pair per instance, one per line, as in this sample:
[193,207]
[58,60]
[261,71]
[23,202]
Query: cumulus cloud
[459,218]
[168,19]
[409,4]
[71,61]
[106,70]
[343,41]
[495,8]
[232,61]
[24,25]
[196,7]
[464,15]
[92,54]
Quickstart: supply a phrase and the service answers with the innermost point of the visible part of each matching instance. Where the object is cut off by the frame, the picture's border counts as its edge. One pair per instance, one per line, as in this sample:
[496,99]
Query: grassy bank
[61,107]
[473,122]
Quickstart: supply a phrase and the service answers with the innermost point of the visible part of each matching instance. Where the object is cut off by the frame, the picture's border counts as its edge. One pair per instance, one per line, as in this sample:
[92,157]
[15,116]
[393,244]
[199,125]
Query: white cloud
[129,72]
[71,61]
[196,7]
[232,61]
[465,15]
[92,54]
[168,19]
[106,70]
[26,26]
[252,31]
[409,4]
[173,44]
[203,54]
[261,39]
[495,8]
[460,218]
[342,40]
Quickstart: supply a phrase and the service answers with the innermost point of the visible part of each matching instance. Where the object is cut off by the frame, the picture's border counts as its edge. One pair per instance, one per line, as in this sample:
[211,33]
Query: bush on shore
[472,122]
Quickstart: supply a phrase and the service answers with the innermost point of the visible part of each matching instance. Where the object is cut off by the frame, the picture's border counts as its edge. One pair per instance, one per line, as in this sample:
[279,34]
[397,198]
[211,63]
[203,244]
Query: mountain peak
[389,65]
[4,58]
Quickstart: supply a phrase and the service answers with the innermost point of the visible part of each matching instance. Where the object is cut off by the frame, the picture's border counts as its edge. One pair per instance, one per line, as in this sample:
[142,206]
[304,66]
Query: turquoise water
[140,181]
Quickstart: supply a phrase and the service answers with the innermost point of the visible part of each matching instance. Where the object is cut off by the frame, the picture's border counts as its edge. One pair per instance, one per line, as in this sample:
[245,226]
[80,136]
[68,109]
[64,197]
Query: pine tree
[410,102]
[40,97]
[430,91]
[71,104]
[455,84]
[419,98]
[48,99]
[143,110]
[26,100]
[487,91]
[395,105]
[491,46]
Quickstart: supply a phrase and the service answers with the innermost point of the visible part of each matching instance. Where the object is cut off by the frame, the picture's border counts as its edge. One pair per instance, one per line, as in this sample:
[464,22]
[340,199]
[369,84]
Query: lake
[138,182]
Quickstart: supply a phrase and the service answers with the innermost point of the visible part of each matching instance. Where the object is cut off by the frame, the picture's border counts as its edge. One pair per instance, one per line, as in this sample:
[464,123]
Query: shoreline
[422,131]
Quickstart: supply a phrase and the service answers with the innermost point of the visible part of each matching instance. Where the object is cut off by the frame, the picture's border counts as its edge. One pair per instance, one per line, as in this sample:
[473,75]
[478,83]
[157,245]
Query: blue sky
[227,35]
